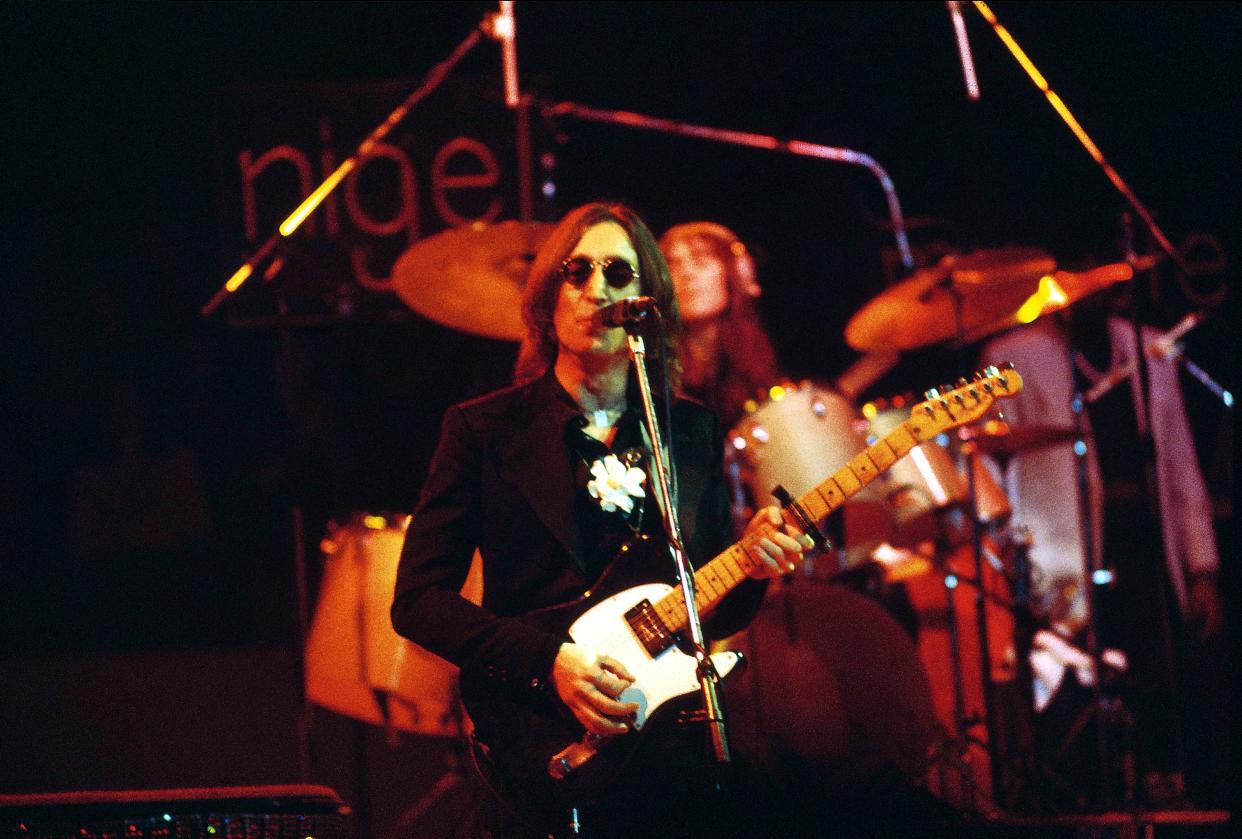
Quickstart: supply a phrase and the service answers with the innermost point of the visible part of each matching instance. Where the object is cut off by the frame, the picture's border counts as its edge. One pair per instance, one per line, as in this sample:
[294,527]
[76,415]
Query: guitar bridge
[649,629]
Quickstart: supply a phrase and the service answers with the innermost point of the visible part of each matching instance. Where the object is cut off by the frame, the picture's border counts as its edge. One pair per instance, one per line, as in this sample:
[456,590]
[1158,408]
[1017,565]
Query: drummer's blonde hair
[538,350]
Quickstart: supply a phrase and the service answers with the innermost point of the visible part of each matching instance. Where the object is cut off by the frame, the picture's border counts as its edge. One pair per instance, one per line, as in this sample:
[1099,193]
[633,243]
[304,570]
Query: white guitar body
[630,625]
[603,630]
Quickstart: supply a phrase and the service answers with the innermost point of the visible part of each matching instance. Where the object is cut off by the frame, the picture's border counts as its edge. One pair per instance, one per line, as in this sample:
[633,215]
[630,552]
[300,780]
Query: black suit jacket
[501,480]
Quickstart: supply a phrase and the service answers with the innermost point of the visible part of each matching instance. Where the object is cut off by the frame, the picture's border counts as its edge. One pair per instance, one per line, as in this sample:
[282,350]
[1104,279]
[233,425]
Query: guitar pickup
[649,629]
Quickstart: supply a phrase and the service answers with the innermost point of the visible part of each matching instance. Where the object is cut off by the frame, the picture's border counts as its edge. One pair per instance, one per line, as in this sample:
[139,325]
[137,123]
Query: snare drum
[354,658]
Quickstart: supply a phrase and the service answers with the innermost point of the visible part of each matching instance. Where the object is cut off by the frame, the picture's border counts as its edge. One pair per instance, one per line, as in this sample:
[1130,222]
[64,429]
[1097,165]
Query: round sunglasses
[617,272]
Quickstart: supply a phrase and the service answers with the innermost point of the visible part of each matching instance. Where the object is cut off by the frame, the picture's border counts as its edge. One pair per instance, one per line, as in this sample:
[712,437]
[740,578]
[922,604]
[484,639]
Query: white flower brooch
[615,484]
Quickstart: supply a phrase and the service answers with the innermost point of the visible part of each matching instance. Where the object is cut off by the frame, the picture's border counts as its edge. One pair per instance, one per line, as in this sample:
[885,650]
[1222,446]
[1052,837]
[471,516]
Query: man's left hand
[780,547]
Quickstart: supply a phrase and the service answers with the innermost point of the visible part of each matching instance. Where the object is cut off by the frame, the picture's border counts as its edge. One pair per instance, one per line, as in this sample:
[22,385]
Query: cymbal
[1054,292]
[991,288]
[471,278]
[921,309]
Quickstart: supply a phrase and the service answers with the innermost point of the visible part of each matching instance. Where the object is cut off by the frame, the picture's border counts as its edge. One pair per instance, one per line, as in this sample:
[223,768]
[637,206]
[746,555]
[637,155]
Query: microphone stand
[1166,346]
[709,679]
[269,252]
[802,148]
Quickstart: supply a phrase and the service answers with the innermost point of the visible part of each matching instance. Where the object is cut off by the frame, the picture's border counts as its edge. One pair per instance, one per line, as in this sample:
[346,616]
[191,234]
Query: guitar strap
[494,782]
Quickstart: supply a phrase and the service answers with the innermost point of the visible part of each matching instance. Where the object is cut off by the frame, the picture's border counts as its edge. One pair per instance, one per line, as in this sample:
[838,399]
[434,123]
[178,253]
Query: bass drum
[834,683]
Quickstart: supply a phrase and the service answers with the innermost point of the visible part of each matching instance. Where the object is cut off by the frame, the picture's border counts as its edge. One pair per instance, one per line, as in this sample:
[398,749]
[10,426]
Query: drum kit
[914,526]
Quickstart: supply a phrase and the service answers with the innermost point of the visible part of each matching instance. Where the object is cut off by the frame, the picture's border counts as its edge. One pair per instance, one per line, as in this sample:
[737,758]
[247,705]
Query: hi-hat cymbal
[471,278]
[922,309]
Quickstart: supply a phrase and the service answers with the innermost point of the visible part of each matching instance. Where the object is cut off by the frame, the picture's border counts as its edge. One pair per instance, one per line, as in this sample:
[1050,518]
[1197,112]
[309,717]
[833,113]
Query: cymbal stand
[1096,577]
[269,253]
[959,744]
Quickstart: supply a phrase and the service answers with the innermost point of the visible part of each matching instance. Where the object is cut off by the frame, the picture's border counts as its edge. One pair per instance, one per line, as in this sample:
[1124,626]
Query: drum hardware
[931,482]
[834,681]
[960,296]
[804,423]
[796,435]
[932,502]
[996,437]
[962,673]
[357,666]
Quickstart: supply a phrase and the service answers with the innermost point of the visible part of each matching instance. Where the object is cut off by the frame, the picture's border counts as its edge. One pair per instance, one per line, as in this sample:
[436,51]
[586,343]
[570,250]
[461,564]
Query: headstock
[965,403]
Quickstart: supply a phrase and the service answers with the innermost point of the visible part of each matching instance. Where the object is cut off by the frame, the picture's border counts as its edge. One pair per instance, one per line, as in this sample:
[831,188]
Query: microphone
[625,312]
[506,32]
[963,50]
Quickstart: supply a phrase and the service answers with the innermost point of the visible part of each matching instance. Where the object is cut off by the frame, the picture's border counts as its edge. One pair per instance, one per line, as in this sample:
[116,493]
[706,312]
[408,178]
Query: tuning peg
[931,393]
[962,383]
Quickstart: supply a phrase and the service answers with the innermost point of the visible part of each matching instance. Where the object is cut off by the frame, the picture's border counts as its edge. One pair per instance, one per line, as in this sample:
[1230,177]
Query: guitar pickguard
[657,679]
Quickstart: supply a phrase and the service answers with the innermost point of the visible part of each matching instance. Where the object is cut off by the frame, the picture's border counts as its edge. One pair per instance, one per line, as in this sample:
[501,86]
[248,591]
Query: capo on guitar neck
[803,519]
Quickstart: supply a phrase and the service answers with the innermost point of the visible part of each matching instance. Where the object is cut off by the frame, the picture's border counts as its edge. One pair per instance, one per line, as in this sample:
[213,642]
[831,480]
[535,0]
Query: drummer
[727,360]
[725,353]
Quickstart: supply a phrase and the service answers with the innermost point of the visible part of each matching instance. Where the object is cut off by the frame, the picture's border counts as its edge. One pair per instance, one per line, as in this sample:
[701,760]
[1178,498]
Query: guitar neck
[941,412]
[733,566]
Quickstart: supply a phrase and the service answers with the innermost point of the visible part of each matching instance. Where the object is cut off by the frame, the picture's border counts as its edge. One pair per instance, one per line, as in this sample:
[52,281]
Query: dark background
[113,242]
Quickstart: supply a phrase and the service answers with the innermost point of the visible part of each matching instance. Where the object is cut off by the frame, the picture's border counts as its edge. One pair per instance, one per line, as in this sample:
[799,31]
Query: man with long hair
[548,481]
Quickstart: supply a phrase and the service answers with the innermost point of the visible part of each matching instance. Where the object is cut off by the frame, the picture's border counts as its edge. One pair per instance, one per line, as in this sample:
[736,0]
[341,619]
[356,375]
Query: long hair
[748,363]
[538,350]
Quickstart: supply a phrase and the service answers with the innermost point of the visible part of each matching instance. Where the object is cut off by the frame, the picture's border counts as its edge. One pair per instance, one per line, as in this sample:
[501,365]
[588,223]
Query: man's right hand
[589,687]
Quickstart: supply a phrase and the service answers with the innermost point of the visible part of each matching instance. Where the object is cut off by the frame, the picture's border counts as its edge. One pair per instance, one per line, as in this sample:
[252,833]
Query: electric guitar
[545,759]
